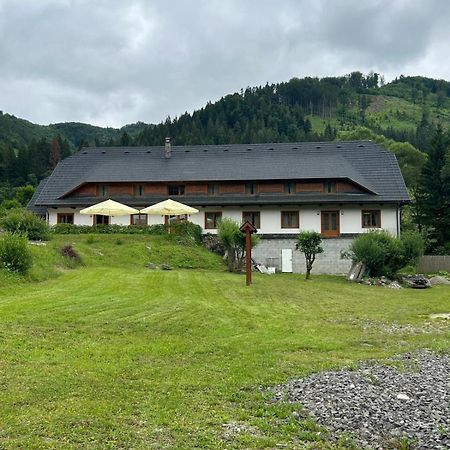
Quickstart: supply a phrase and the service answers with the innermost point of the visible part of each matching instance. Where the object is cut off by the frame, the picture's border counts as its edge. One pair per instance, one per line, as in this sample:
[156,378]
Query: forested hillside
[315,109]
[410,116]
[406,110]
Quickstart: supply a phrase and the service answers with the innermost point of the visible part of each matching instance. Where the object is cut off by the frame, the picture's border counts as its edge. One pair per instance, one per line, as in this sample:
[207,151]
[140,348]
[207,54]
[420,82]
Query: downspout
[398,220]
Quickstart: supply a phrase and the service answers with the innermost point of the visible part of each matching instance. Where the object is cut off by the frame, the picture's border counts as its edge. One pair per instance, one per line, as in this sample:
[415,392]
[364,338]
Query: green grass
[113,355]
[115,250]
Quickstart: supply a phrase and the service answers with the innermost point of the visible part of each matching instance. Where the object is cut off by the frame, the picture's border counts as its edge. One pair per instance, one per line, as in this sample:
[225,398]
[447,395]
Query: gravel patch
[381,404]
[428,327]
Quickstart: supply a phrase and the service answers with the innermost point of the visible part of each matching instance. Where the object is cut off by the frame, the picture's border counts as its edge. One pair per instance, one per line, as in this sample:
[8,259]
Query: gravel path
[378,404]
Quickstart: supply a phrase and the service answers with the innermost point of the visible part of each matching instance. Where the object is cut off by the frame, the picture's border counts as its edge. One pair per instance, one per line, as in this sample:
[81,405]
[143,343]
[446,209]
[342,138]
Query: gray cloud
[111,62]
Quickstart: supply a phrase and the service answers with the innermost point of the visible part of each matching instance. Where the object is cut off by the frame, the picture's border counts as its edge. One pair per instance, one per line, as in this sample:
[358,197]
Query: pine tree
[125,139]
[55,153]
[64,146]
[435,189]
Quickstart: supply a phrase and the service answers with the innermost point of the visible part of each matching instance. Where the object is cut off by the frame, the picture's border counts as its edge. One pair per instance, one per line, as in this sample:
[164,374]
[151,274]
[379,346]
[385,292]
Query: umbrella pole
[167,218]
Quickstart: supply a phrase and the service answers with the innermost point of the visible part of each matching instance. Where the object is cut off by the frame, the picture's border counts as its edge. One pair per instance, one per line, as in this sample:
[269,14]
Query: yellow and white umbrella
[109,208]
[169,208]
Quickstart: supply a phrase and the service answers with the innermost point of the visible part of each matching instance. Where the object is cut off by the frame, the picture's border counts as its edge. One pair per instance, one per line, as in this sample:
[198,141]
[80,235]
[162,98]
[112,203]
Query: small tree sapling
[309,243]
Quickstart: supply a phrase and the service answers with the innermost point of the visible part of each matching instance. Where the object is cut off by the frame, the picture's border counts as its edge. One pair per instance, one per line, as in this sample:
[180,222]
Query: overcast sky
[113,62]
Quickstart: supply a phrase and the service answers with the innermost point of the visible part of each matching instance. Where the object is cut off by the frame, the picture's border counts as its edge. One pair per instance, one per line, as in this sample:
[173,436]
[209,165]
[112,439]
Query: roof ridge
[257,144]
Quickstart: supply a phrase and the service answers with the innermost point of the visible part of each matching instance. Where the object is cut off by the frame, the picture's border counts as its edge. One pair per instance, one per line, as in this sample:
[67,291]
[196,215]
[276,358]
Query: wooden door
[330,223]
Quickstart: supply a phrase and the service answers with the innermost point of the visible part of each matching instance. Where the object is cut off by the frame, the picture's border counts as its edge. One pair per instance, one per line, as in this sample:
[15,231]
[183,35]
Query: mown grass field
[112,355]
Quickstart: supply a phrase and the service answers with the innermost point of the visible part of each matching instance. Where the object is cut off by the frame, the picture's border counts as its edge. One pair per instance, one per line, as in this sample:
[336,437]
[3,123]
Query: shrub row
[184,229]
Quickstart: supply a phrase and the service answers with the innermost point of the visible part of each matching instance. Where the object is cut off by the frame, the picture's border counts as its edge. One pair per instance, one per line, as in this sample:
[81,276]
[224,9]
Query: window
[138,219]
[101,220]
[253,217]
[103,190]
[289,187]
[371,218]
[213,188]
[329,186]
[139,190]
[176,189]
[175,219]
[64,218]
[289,219]
[250,188]
[212,220]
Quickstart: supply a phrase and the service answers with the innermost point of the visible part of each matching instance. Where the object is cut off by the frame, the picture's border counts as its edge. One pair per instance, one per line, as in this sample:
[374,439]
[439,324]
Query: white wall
[82,219]
[350,218]
[310,218]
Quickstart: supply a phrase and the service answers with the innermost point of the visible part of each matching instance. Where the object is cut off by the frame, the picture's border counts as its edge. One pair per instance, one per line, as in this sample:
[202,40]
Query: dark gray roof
[363,162]
[32,206]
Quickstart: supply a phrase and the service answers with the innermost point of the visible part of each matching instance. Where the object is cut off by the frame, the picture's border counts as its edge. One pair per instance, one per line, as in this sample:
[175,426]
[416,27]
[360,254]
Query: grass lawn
[112,355]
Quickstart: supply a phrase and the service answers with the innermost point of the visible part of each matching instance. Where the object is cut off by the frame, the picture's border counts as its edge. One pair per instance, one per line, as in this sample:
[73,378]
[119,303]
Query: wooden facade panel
[276,188]
[155,188]
[121,189]
[196,188]
[309,186]
[232,188]
[347,186]
[89,190]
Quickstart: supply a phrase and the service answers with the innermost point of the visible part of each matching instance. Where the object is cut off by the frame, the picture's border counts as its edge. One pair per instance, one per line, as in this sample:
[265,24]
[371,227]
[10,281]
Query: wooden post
[248,257]
[248,229]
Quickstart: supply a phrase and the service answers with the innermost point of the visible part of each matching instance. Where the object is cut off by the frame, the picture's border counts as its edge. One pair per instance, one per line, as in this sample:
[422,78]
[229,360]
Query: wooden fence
[430,263]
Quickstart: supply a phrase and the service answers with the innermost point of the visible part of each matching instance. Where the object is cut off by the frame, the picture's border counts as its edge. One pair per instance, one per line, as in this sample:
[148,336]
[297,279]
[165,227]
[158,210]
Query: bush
[25,222]
[413,246]
[384,254]
[309,243]
[212,243]
[188,230]
[233,241]
[67,251]
[15,255]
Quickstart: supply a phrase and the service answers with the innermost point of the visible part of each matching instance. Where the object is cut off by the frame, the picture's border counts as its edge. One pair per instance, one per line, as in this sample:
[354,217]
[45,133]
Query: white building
[340,189]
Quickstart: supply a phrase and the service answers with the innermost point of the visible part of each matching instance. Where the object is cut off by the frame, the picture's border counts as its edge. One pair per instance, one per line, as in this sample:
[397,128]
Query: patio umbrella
[169,208]
[109,208]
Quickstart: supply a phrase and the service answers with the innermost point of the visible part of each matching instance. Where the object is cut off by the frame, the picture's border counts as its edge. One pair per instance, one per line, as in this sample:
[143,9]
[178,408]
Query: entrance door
[286,260]
[330,223]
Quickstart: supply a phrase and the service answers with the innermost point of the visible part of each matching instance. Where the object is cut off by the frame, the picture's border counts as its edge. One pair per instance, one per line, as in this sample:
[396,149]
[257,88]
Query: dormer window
[289,187]
[213,188]
[102,190]
[139,190]
[176,189]
[329,187]
[250,188]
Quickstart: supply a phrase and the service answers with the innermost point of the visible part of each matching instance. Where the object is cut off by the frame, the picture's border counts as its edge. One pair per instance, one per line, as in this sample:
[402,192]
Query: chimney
[167,148]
